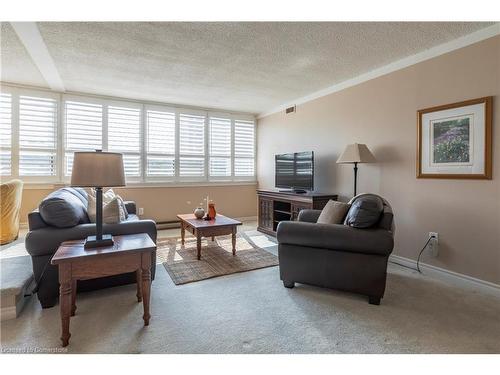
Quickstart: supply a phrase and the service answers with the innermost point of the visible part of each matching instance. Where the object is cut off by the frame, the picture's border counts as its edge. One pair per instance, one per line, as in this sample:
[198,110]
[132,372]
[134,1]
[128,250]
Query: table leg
[198,244]
[65,301]
[73,297]
[213,238]
[183,232]
[146,292]
[233,238]
[138,278]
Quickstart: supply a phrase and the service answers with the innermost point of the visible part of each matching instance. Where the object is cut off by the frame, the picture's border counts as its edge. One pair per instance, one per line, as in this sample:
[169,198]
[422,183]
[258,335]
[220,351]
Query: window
[244,148]
[160,143]
[5,134]
[124,135]
[191,145]
[40,132]
[37,136]
[220,147]
[83,130]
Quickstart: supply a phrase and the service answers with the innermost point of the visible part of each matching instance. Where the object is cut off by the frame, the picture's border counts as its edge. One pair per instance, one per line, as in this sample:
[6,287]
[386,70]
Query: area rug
[216,257]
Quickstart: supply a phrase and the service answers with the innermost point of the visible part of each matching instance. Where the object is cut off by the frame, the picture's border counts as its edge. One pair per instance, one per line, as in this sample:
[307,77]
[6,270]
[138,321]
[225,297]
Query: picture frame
[454,141]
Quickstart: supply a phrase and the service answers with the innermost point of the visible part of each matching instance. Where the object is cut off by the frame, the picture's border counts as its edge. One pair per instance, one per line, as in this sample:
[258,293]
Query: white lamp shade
[97,169]
[356,153]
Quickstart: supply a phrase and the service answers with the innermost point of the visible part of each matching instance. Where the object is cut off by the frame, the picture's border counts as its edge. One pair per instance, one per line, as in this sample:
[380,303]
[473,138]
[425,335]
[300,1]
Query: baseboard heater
[168,224]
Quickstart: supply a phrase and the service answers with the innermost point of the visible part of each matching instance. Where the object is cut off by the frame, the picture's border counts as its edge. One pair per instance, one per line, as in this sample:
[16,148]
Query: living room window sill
[140,185]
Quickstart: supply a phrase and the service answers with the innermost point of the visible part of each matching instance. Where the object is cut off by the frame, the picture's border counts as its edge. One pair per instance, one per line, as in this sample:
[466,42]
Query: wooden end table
[219,226]
[130,253]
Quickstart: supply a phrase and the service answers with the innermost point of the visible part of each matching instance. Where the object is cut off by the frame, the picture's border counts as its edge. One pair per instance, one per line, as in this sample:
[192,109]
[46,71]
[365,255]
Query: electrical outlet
[434,244]
[141,211]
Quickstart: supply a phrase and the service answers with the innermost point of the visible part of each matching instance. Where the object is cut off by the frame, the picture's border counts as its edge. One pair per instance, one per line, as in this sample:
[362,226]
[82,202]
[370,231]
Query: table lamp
[354,154]
[98,169]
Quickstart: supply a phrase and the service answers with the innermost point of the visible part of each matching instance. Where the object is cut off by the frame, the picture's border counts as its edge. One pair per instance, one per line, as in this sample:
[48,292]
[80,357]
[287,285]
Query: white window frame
[16,93]
[225,116]
[245,178]
[203,178]
[64,149]
[142,180]
[160,179]
[105,131]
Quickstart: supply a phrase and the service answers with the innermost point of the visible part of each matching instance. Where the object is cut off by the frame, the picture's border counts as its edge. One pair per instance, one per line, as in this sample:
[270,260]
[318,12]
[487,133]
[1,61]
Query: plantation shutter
[37,136]
[160,143]
[5,134]
[244,148]
[83,130]
[124,136]
[220,147]
[191,145]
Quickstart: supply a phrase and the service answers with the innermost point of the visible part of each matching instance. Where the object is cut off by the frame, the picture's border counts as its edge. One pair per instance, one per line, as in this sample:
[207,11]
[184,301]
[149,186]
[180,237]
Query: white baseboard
[455,278]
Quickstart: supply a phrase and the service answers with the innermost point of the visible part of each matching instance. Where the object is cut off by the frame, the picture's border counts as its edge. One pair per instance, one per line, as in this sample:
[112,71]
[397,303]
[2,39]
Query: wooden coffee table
[130,253]
[219,226]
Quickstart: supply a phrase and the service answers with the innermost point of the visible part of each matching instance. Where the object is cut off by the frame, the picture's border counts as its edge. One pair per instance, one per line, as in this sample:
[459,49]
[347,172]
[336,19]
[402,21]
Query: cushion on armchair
[65,208]
[333,213]
[365,212]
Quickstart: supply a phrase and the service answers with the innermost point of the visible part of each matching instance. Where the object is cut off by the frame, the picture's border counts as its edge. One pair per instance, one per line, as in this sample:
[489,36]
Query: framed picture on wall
[454,140]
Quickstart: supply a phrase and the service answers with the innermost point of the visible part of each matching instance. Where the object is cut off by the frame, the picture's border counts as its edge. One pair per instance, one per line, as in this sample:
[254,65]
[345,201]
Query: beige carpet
[217,259]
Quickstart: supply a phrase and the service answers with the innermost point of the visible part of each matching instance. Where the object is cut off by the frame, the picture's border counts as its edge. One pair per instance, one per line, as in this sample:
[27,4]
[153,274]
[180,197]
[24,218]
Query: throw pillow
[333,213]
[108,196]
[365,212]
[64,208]
[112,211]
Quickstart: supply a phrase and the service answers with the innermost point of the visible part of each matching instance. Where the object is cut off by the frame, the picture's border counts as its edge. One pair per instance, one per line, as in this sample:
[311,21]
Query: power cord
[421,251]
[418,259]
[37,282]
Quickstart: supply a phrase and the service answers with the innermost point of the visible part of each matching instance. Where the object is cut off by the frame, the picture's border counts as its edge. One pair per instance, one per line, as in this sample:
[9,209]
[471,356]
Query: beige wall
[382,114]
[163,203]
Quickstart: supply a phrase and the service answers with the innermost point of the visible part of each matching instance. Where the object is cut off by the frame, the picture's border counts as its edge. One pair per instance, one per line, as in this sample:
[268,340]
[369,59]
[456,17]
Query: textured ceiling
[248,67]
[15,63]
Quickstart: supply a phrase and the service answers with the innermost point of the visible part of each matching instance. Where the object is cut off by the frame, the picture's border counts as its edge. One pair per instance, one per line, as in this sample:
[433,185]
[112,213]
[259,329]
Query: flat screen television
[295,171]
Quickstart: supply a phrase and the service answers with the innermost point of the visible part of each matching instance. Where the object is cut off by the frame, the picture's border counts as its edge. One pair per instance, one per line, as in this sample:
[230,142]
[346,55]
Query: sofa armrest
[45,241]
[309,216]
[335,237]
[35,221]
[131,207]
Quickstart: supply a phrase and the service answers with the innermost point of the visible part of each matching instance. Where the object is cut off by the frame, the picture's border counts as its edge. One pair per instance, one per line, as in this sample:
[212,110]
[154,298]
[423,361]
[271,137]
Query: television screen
[295,171]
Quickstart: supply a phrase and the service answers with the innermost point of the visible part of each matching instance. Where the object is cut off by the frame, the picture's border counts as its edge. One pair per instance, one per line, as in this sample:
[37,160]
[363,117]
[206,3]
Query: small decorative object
[211,210]
[354,154]
[199,212]
[454,140]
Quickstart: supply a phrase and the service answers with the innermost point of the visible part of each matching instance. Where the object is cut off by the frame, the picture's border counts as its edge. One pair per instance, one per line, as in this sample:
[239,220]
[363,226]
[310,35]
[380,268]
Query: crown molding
[430,53]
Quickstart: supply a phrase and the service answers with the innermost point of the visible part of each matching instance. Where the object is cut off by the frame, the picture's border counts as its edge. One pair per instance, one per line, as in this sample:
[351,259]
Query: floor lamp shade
[98,169]
[354,154]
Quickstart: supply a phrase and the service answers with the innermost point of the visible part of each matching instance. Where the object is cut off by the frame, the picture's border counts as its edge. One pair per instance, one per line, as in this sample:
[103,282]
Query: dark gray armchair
[43,240]
[336,256]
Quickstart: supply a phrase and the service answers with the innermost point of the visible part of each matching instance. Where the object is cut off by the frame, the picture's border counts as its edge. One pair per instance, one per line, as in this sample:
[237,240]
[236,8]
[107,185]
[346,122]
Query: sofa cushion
[113,208]
[365,212]
[64,208]
[333,213]
[112,211]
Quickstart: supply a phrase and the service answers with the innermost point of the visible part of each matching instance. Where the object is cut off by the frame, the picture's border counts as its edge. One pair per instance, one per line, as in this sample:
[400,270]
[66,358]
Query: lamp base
[92,242]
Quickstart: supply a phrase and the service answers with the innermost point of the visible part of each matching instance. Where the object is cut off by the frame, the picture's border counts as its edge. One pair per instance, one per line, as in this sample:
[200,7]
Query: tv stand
[276,206]
[296,191]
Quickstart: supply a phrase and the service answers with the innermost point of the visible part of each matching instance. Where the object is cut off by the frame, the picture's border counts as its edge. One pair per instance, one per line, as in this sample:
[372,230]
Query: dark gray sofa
[43,240]
[336,256]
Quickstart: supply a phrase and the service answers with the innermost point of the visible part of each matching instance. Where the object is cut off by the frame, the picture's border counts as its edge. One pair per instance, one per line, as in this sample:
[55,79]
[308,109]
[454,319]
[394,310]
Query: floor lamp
[98,169]
[354,154]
